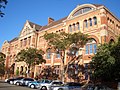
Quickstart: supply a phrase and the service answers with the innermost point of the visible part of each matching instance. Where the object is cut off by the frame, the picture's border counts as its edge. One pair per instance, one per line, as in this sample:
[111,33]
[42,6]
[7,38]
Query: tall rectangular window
[74,27]
[91,48]
[21,43]
[87,49]
[57,55]
[95,20]
[29,40]
[78,26]
[25,41]
[70,28]
[90,20]
[48,55]
[95,47]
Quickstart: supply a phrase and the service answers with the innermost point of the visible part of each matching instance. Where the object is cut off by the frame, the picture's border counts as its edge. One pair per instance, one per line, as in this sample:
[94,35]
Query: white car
[68,86]
[6,80]
[35,84]
[47,86]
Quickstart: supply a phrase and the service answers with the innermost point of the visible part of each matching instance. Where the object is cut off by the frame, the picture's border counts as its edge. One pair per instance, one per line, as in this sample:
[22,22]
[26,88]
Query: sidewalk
[2,81]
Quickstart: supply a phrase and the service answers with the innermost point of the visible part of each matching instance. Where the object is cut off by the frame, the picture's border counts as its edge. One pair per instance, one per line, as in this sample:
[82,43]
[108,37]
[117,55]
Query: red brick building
[94,20]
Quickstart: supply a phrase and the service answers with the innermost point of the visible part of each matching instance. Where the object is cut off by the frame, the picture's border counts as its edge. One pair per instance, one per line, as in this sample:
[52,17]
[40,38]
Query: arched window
[73,27]
[48,55]
[90,21]
[111,41]
[91,47]
[78,26]
[82,10]
[70,28]
[95,20]
[85,23]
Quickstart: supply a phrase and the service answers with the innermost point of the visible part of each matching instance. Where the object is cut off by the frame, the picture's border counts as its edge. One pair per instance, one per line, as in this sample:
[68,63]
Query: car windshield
[19,78]
[58,83]
[45,81]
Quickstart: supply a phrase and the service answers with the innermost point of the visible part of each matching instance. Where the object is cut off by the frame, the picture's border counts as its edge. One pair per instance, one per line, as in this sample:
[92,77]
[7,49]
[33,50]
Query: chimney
[50,20]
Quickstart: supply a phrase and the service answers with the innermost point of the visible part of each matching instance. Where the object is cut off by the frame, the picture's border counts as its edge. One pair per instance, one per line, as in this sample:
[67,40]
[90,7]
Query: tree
[17,72]
[2,5]
[31,56]
[106,62]
[48,73]
[67,45]
[2,65]
[75,72]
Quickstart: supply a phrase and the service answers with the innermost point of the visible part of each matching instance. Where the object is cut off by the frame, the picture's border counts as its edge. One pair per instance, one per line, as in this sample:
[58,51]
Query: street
[6,86]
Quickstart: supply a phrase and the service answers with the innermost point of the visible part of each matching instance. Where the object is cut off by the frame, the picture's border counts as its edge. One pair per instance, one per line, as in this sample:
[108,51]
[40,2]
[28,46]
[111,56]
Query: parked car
[11,80]
[6,80]
[16,80]
[47,86]
[24,81]
[95,87]
[68,86]
[35,84]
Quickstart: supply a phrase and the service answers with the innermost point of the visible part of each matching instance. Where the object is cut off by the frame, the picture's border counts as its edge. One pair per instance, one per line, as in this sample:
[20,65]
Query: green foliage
[31,56]
[106,62]
[47,73]
[17,72]
[2,65]
[2,5]
[62,42]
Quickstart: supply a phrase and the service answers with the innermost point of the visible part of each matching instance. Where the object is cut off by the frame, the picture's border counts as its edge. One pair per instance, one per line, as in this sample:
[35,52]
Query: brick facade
[94,20]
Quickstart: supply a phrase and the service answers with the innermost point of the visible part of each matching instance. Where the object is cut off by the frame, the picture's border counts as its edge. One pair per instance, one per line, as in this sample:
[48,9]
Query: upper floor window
[95,20]
[78,26]
[86,9]
[90,21]
[74,27]
[82,10]
[85,23]
[48,55]
[29,40]
[25,41]
[70,28]
[91,47]
[21,42]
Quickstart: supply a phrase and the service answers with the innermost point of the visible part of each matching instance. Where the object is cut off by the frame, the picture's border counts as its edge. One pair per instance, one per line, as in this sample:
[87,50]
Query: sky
[38,11]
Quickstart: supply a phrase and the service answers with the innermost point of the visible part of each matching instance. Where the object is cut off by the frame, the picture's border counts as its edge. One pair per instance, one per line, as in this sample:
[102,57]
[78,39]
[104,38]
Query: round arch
[94,37]
[80,7]
[111,39]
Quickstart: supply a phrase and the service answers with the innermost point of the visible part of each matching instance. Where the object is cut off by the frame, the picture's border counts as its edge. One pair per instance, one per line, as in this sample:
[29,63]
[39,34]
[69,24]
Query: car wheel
[60,89]
[32,86]
[11,82]
[18,84]
[43,88]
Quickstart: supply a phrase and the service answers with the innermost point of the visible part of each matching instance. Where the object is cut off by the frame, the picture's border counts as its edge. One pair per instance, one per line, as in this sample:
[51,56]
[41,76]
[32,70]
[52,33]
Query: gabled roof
[97,5]
[14,39]
[53,24]
[37,27]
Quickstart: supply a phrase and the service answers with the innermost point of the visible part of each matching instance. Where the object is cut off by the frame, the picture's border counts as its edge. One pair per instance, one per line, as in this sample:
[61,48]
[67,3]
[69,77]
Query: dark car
[95,87]
[11,80]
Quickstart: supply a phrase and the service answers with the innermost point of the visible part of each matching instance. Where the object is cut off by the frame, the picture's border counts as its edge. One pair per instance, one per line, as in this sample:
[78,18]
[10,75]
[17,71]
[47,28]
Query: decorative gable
[27,29]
